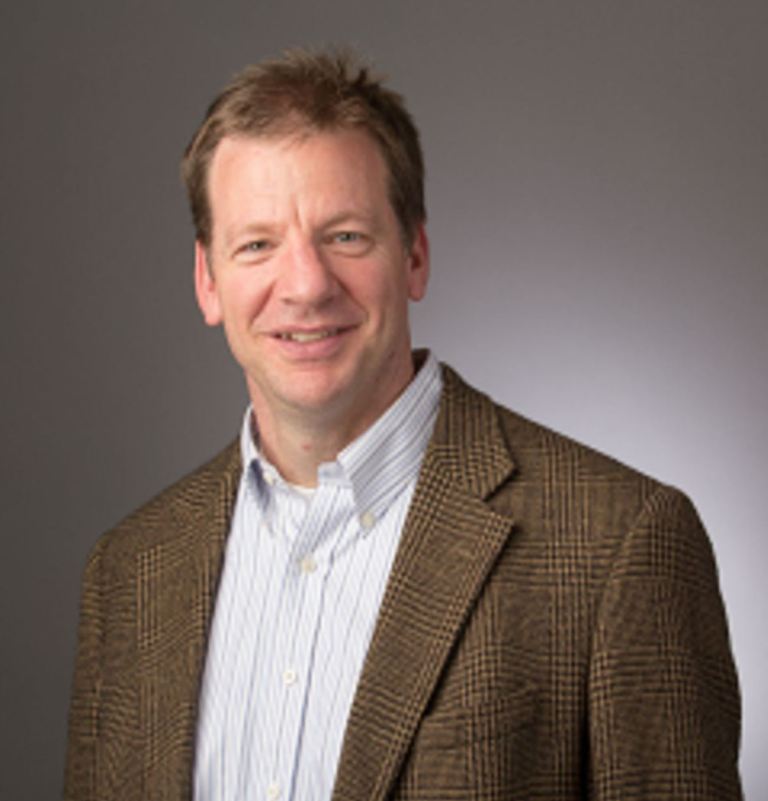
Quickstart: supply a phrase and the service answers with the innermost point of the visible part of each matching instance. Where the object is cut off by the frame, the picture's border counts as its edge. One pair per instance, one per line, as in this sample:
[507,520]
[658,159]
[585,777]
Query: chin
[316,396]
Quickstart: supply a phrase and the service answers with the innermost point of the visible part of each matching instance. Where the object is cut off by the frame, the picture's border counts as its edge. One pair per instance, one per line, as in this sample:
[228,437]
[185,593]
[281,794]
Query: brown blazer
[552,629]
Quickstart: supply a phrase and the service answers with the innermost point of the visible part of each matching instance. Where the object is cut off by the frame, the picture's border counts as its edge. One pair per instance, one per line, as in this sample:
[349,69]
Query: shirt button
[308,564]
[273,791]
[367,519]
[289,677]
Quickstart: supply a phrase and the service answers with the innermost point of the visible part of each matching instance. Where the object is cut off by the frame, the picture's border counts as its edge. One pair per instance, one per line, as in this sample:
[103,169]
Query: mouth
[309,336]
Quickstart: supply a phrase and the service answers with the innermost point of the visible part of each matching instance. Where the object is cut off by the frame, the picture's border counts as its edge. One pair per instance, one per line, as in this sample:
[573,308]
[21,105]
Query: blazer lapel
[449,544]
[177,579]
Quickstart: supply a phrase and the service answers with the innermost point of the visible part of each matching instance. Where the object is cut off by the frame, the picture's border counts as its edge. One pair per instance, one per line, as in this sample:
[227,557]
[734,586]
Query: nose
[305,277]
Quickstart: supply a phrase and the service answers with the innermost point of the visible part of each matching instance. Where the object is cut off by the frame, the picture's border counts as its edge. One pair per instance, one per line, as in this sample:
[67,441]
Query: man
[388,587]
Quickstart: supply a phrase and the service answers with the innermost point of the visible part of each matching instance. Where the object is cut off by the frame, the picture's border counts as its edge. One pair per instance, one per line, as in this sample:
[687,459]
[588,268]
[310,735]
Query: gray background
[597,192]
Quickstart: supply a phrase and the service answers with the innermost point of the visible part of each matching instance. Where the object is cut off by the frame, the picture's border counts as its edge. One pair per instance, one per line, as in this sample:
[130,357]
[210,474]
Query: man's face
[309,274]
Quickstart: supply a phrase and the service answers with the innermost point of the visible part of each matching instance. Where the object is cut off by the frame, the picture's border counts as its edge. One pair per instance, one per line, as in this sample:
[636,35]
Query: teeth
[308,336]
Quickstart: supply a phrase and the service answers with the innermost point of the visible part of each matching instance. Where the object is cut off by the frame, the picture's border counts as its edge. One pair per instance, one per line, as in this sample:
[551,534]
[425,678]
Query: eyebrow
[234,232]
[350,216]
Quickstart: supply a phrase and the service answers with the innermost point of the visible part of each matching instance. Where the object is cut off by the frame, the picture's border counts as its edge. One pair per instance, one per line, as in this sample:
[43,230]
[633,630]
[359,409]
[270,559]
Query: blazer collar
[451,540]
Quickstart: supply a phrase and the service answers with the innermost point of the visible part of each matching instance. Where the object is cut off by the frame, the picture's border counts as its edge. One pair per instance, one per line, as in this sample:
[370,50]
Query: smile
[308,336]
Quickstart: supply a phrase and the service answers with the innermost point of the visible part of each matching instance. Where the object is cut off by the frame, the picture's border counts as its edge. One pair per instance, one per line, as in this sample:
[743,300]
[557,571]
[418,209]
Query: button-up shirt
[303,578]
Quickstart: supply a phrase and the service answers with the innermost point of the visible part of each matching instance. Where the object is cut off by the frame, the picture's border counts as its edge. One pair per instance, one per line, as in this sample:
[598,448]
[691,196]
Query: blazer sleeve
[80,774]
[663,695]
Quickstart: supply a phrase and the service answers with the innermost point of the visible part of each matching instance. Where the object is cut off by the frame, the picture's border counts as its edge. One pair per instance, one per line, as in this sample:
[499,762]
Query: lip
[312,334]
[311,343]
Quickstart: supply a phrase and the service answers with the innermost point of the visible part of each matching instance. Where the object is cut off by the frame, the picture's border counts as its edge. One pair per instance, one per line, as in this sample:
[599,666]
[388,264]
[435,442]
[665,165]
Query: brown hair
[305,92]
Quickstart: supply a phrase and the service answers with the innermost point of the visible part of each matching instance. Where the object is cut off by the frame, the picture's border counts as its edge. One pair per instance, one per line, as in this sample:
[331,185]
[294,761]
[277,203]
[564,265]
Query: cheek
[245,303]
[380,292]
[393,298]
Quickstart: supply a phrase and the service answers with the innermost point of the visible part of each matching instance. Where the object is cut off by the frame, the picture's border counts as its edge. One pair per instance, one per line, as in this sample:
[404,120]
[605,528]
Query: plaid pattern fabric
[552,629]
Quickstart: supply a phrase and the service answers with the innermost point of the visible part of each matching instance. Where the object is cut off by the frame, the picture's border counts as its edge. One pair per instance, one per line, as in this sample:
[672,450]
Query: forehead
[309,180]
[349,159]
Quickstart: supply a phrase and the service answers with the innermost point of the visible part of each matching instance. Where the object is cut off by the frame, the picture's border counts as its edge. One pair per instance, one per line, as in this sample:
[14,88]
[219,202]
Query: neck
[298,439]
[297,443]
[298,450]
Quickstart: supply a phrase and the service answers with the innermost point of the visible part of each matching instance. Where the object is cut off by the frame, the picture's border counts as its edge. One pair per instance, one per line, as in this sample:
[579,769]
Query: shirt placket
[310,565]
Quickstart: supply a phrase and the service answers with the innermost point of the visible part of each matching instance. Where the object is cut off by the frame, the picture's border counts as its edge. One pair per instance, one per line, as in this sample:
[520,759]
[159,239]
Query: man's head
[306,186]
[304,93]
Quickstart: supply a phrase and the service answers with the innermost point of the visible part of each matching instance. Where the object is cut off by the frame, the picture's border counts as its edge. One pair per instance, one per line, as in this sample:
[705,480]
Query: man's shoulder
[544,458]
[536,445]
[557,487]
[179,509]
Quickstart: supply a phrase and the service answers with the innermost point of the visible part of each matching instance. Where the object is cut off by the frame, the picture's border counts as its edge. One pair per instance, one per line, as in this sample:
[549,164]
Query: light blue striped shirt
[304,574]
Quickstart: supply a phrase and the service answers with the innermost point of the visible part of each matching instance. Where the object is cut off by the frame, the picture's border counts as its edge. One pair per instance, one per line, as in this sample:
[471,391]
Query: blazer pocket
[482,751]
[460,726]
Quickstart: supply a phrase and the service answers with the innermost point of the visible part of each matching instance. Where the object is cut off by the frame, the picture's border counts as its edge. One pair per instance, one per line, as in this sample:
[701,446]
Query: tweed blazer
[552,629]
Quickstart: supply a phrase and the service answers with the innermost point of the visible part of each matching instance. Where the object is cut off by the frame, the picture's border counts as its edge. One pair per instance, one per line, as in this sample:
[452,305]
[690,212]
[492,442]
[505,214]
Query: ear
[418,264]
[205,287]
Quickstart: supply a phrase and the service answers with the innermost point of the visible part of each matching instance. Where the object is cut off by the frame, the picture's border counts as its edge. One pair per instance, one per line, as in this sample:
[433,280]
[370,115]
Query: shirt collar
[383,459]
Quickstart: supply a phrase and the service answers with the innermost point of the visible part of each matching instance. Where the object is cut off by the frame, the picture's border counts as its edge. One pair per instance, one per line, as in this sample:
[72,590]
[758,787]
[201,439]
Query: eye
[253,250]
[256,246]
[350,243]
[346,237]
